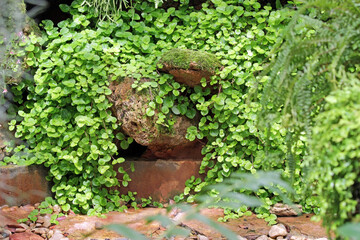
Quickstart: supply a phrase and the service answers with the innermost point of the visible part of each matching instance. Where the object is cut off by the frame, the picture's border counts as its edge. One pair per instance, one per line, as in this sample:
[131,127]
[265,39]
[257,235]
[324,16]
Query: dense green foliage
[110,9]
[336,151]
[66,120]
[65,117]
[314,87]
[311,96]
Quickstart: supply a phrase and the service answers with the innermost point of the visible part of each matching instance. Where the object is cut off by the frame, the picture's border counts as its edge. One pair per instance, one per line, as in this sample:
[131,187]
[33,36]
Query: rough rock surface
[21,185]
[283,210]
[160,179]
[129,107]
[85,227]
[303,226]
[188,77]
[278,230]
[188,66]
[25,235]
[262,237]
[57,235]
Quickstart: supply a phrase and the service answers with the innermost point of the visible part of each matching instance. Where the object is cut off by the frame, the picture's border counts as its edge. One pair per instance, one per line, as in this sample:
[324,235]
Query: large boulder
[189,66]
[129,107]
[160,179]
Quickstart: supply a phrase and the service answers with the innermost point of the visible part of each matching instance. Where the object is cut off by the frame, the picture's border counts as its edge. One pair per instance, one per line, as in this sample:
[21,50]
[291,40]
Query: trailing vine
[65,116]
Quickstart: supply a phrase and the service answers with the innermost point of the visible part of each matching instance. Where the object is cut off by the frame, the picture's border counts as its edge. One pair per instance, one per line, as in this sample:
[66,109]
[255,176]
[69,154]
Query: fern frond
[317,57]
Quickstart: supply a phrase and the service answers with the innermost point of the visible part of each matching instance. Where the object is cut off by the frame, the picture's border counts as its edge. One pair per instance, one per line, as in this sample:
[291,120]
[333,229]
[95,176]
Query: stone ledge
[20,185]
[160,179]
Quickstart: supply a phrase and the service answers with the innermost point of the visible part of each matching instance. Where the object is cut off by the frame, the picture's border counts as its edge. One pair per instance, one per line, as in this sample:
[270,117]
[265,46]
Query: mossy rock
[190,59]
[129,107]
[189,66]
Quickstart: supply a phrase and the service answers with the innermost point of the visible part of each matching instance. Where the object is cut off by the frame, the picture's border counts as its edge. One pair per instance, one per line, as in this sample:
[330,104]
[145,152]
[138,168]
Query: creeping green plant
[65,117]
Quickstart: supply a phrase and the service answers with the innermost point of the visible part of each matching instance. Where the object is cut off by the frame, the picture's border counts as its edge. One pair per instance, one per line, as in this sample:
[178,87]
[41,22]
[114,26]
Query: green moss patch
[189,59]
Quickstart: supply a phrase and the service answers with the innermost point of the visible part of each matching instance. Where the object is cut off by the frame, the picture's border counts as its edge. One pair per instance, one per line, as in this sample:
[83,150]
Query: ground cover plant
[65,120]
[64,114]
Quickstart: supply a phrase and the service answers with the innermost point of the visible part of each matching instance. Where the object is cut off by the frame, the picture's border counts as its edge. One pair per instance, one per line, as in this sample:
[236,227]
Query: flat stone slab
[160,179]
[302,225]
[9,215]
[20,185]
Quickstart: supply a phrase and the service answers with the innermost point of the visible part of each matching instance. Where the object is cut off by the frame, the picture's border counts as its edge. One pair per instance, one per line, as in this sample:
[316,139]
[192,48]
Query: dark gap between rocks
[134,150]
[48,10]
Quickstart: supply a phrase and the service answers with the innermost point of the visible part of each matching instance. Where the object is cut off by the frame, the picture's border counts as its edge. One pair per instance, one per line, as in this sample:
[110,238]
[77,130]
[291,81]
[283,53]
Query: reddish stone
[61,218]
[200,227]
[28,207]
[9,209]
[25,235]
[249,226]
[22,185]
[213,213]
[190,77]
[302,225]
[161,179]
[14,225]
[8,216]
[82,227]
[4,220]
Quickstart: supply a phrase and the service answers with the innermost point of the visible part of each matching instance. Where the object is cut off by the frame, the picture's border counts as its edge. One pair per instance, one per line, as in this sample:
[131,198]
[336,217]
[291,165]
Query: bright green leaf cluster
[336,151]
[66,120]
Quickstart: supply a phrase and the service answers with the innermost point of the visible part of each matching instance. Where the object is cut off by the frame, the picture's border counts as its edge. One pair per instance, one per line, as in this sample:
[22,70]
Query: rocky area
[129,108]
[160,179]
[283,210]
[21,185]
[76,227]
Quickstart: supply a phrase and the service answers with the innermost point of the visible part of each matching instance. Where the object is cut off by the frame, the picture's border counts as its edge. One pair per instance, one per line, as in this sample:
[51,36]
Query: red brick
[20,185]
[161,179]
